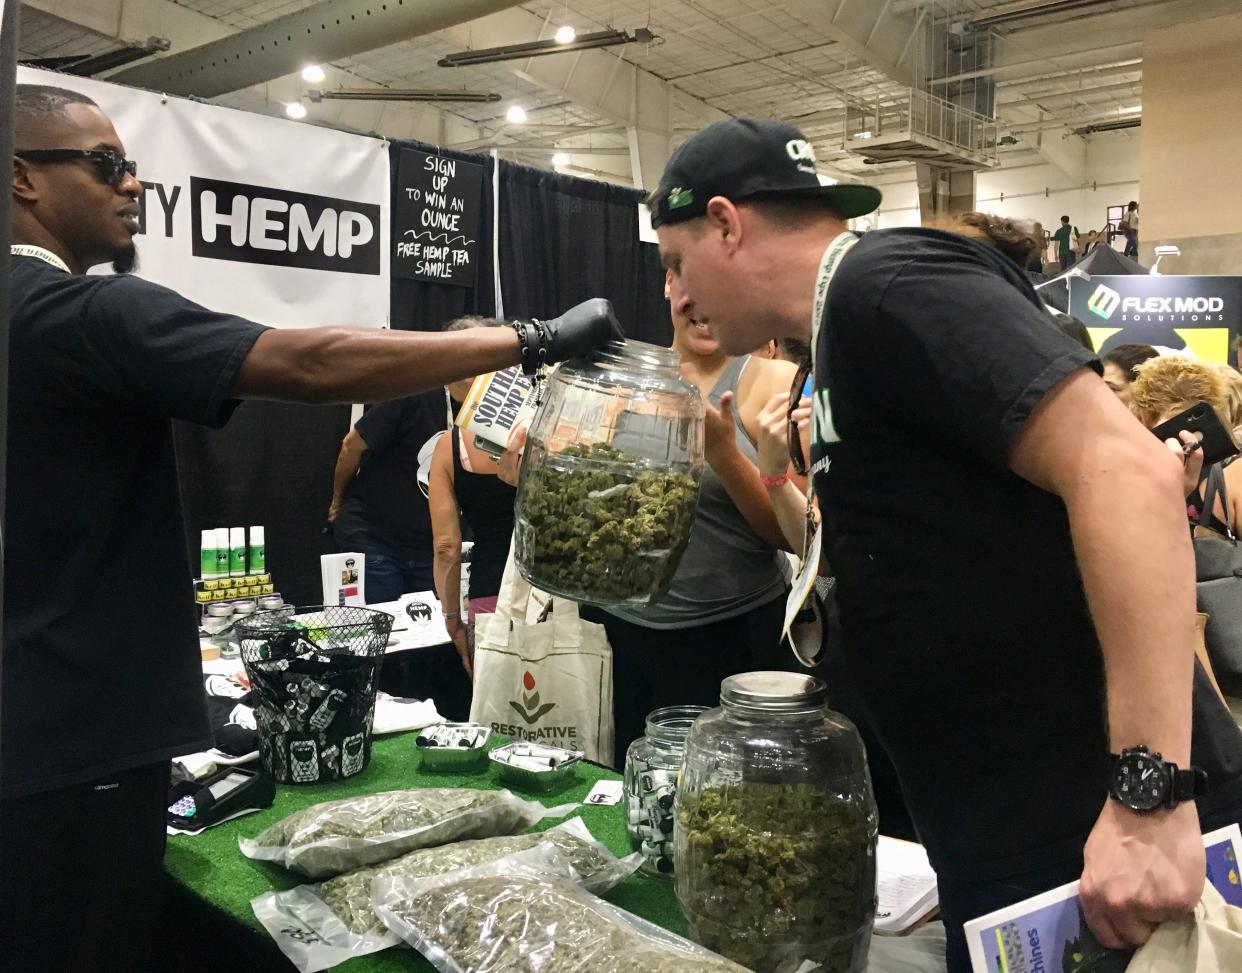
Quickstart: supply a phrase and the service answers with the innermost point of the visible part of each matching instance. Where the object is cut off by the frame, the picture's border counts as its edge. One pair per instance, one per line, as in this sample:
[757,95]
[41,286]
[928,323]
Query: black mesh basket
[314,672]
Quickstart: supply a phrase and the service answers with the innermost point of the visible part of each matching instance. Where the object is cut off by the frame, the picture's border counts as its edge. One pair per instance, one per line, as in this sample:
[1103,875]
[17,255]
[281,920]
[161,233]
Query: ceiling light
[1132,110]
[400,94]
[313,73]
[565,35]
[512,52]
[864,135]
[560,159]
[516,115]
[295,110]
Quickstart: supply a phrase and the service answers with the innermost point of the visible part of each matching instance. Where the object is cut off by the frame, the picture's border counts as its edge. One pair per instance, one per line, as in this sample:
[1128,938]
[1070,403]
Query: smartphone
[1218,441]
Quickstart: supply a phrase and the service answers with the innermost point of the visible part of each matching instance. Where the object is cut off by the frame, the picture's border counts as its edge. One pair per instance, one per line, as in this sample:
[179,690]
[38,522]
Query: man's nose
[130,186]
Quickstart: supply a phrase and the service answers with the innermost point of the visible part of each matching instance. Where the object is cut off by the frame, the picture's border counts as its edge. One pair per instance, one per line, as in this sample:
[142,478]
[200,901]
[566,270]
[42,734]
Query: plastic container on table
[610,477]
[774,844]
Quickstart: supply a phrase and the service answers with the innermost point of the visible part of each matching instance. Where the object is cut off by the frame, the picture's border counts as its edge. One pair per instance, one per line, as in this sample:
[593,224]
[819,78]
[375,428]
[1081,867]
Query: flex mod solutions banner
[280,222]
[1198,314]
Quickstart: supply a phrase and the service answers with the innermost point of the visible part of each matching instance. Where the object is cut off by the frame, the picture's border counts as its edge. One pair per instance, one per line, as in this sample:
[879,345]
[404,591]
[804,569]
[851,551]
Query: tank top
[727,569]
[486,503]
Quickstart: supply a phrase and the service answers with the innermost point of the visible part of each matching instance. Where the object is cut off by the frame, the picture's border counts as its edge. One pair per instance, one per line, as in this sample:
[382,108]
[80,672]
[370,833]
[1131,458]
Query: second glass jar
[652,765]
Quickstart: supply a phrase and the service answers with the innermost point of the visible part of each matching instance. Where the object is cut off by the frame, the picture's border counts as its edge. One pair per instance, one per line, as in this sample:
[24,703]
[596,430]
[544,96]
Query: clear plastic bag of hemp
[526,914]
[334,837]
[318,926]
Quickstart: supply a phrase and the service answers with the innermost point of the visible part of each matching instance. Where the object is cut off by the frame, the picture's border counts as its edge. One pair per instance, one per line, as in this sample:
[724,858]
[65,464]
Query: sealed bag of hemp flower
[526,913]
[319,926]
[336,836]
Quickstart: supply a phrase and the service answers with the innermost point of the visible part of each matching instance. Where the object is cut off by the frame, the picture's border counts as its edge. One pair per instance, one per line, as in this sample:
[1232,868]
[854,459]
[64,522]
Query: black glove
[578,332]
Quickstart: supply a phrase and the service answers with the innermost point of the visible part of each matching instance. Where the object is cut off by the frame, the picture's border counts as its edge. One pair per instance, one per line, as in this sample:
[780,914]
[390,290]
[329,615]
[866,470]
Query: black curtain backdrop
[419,306]
[271,465]
[564,239]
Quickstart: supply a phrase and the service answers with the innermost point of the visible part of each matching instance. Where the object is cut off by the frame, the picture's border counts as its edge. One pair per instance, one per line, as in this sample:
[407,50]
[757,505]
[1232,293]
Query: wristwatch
[1144,781]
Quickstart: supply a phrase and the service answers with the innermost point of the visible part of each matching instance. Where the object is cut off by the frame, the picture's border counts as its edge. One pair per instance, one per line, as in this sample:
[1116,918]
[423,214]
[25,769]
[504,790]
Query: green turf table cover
[212,866]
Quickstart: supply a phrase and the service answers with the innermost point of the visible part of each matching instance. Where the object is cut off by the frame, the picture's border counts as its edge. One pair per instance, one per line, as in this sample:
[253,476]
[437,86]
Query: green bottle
[258,551]
[237,551]
[207,555]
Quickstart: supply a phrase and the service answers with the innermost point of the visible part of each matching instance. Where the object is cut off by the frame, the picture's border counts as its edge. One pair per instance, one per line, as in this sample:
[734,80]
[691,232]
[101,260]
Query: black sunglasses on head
[112,166]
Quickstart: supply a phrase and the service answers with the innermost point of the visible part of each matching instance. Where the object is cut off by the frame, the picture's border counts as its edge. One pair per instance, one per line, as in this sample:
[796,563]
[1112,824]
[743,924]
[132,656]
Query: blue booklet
[1048,934]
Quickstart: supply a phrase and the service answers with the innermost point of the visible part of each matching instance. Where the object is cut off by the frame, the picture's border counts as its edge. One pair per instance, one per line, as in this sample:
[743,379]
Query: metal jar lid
[779,692]
[220,609]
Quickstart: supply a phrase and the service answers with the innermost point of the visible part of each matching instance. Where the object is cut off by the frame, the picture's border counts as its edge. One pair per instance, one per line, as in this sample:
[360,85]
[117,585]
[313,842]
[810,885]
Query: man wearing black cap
[975,476]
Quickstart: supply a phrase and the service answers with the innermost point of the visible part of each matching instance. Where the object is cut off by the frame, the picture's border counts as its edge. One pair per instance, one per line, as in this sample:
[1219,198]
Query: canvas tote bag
[541,673]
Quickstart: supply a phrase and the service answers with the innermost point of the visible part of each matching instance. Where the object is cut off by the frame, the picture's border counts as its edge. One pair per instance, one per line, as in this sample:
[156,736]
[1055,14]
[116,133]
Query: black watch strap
[1188,784]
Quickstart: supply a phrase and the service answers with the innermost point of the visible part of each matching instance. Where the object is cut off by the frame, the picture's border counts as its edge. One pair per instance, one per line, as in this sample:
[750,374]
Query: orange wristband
[774,481]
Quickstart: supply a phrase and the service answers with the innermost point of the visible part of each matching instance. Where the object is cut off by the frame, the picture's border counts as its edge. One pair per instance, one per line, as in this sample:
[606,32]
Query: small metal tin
[535,766]
[441,746]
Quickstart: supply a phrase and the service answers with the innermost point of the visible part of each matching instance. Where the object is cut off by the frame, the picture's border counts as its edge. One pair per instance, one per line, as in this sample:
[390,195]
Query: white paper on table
[905,885]
[393,715]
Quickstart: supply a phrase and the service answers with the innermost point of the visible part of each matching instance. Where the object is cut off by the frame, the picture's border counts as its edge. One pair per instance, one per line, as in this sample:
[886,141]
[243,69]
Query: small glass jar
[774,844]
[652,765]
[610,477]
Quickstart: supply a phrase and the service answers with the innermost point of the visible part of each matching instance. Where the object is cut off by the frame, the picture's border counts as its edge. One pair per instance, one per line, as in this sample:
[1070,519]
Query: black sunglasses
[112,166]
[794,437]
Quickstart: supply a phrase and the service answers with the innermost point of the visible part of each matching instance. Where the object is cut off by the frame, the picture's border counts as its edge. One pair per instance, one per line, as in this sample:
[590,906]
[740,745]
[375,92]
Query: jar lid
[777,691]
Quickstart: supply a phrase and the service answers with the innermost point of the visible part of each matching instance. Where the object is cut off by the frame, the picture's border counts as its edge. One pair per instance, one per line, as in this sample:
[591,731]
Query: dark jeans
[1131,249]
[388,578]
[82,882]
[1067,260]
[670,667]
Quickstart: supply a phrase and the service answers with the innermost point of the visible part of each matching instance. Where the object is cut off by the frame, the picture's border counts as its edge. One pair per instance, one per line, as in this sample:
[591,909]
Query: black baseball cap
[741,158]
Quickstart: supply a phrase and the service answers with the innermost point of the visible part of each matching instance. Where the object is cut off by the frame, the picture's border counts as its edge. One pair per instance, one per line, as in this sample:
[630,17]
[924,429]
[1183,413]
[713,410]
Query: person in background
[1035,262]
[1233,388]
[102,682]
[980,487]
[1169,385]
[1064,237]
[377,507]
[724,610]
[1121,368]
[1092,241]
[463,485]
[1130,226]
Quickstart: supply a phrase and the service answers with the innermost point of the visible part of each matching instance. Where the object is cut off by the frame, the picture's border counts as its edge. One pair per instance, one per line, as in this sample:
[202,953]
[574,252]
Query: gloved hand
[579,331]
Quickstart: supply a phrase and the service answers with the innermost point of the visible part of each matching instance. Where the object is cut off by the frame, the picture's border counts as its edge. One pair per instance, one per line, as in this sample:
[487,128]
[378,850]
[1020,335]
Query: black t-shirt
[384,511]
[101,668]
[963,616]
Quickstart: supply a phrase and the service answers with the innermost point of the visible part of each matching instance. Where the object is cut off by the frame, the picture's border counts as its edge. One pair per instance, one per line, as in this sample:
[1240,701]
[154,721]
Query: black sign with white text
[1200,315]
[264,225]
[436,219]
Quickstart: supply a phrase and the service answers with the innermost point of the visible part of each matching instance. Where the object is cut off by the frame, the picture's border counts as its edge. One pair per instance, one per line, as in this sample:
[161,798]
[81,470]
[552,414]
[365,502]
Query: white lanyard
[26,250]
[828,265]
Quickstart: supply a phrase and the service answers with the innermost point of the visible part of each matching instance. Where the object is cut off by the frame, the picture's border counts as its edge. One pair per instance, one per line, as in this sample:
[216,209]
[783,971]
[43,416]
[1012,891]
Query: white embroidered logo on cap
[799,150]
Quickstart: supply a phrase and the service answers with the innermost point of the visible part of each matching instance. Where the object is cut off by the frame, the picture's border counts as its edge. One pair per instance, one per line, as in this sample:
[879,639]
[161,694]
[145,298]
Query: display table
[214,870]
[211,866]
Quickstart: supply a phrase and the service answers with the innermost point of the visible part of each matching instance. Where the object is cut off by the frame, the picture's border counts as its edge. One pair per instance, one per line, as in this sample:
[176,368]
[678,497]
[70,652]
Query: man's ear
[724,220]
[23,184]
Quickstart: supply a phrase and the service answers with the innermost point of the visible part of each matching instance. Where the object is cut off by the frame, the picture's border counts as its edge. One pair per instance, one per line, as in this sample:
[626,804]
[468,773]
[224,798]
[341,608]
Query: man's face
[708,284]
[689,334]
[1116,379]
[95,219]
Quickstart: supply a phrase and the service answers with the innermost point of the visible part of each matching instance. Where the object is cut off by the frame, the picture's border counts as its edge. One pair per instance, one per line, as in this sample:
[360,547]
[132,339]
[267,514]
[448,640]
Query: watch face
[1140,781]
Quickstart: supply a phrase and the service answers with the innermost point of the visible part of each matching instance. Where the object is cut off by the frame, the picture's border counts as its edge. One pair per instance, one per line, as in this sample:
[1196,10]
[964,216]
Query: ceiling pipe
[319,34]
[1026,13]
